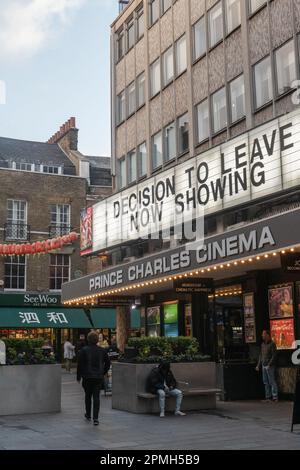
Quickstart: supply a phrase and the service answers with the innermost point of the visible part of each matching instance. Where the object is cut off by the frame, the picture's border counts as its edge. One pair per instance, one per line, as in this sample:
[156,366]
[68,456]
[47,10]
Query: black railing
[16,231]
[59,230]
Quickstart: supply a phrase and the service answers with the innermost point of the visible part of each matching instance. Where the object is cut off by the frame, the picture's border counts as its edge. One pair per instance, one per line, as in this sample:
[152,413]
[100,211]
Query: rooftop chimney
[67,136]
[123,4]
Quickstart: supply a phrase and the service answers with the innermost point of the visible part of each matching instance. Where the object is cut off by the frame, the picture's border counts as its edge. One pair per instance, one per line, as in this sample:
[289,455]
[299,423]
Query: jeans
[173,393]
[92,388]
[271,389]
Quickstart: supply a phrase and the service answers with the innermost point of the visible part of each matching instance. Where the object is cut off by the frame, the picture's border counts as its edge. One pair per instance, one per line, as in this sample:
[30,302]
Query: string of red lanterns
[38,247]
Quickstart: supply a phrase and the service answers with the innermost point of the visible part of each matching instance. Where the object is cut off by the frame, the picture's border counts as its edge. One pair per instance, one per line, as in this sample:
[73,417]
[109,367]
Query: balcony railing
[59,230]
[16,231]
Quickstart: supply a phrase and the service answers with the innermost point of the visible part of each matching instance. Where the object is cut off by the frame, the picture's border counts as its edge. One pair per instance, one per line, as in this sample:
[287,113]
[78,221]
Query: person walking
[162,382]
[93,365]
[267,360]
[69,354]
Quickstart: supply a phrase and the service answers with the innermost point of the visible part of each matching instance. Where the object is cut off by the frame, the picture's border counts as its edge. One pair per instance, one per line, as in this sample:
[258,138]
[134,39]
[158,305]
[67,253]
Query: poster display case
[249,318]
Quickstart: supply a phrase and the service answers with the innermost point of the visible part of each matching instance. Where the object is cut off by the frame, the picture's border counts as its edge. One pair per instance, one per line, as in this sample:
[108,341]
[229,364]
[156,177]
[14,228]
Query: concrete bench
[129,381]
[189,392]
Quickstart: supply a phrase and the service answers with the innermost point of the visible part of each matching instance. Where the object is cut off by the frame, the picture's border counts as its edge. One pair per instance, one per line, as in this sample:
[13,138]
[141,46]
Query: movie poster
[86,231]
[282,333]
[281,302]
[249,318]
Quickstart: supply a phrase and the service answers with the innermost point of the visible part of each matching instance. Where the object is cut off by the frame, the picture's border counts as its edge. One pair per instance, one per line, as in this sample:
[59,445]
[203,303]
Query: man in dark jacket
[267,361]
[162,382]
[93,364]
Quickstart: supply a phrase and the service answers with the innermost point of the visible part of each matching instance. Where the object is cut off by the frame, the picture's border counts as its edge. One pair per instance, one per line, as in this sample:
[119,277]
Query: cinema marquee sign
[268,235]
[261,162]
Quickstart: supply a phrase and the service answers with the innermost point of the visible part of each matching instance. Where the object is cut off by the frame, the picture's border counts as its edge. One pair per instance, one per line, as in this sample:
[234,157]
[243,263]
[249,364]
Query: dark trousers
[92,388]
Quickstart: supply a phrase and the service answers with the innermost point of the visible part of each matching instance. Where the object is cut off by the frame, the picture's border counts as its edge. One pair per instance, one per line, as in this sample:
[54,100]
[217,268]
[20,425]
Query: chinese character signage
[13,317]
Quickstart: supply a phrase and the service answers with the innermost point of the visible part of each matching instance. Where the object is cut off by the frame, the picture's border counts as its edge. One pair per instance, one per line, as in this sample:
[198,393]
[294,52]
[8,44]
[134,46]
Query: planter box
[30,389]
[130,379]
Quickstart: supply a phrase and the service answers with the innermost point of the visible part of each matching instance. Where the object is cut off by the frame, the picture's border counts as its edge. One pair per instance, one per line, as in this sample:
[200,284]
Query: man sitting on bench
[162,382]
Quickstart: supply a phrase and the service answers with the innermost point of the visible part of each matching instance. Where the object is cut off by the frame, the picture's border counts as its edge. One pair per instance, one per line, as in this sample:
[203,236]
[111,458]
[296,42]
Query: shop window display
[153,321]
[171,320]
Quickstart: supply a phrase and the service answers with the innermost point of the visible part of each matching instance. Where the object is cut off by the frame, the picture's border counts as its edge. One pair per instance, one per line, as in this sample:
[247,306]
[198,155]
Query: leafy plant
[153,350]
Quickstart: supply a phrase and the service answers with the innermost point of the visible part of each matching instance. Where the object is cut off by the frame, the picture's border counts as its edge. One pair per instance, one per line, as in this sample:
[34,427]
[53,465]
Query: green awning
[106,318]
[43,318]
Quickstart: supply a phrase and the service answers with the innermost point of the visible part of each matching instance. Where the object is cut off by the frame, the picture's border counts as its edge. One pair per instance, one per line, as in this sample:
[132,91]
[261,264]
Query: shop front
[224,294]
[36,315]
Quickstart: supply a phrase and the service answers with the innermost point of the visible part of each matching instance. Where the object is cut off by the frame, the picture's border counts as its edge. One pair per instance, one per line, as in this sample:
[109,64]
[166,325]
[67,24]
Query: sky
[54,64]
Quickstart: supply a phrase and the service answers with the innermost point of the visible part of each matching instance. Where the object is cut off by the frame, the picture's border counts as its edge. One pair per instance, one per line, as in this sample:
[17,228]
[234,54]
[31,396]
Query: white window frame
[56,266]
[154,92]
[180,63]
[214,41]
[198,106]
[14,220]
[9,260]
[231,101]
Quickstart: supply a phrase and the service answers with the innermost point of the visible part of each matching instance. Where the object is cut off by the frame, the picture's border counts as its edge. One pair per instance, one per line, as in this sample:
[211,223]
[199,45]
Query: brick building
[43,188]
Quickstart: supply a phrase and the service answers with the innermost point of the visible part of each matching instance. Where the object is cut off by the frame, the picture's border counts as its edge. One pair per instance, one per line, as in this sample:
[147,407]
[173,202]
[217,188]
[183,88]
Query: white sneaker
[162,414]
[180,413]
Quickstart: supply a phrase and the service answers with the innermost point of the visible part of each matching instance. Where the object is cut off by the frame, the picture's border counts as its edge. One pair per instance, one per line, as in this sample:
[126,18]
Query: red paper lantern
[48,245]
[73,236]
[17,250]
[1,249]
[5,249]
[38,247]
[66,239]
[33,246]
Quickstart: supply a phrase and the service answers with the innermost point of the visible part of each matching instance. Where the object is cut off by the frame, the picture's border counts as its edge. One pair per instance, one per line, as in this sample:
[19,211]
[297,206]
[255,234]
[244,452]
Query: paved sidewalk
[236,425]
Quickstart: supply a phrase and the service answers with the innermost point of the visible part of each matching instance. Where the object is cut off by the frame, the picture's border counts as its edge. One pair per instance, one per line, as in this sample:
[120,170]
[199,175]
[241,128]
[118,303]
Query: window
[51,169]
[122,173]
[140,24]
[130,34]
[263,82]
[165,5]
[168,66]
[120,44]
[203,120]
[16,228]
[15,273]
[131,98]
[181,55]
[121,107]
[23,166]
[199,38]
[142,160]
[183,134]
[59,271]
[153,11]
[285,67]
[233,14]
[131,167]
[237,98]
[215,24]
[255,5]
[219,110]
[140,85]
[60,219]
[155,80]
[170,142]
[157,150]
